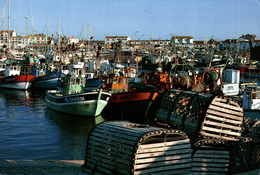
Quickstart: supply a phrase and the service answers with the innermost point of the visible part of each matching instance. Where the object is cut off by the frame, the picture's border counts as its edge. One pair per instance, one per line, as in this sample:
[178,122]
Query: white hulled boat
[74,99]
[17,77]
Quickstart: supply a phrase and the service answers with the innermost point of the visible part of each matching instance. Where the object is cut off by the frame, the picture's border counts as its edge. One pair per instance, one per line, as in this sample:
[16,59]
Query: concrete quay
[41,167]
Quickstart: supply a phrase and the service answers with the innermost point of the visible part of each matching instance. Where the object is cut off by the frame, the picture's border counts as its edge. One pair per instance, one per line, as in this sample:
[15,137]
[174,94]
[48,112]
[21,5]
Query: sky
[138,19]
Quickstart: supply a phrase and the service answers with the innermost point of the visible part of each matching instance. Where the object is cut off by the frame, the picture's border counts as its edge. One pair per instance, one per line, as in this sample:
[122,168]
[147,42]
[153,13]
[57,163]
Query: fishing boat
[251,102]
[74,99]
[128,103]
[17,77]
[46,77]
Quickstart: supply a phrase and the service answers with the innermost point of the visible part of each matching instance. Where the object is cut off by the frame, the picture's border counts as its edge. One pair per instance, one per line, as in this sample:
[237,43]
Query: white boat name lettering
[74,99]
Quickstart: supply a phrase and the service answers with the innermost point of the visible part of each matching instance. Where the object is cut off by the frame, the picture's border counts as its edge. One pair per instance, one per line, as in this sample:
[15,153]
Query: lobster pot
[223,120]
[245,156]
[210,156]
[129,148]
[167,105]
[196,112]
[251,129]
[254,131]
[183,110]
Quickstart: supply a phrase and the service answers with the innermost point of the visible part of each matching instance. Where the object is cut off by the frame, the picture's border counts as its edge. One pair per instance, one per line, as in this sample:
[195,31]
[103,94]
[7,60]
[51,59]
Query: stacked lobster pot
[245,155]
[223,120]
[210,156]
[183,110]
[225,141]
[201,115]
[120,147]
[252,129]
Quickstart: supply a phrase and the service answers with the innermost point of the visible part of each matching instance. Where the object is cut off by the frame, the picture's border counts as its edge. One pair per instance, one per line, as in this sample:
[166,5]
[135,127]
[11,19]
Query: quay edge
[8,166]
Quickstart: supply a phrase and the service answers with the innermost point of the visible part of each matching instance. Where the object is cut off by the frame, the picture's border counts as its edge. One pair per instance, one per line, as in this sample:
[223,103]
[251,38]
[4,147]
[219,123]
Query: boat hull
[47,82]
[17,82]
[84,104]
[131,106]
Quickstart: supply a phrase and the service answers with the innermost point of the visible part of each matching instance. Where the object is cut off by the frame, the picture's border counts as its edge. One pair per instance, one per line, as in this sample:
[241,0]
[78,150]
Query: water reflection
[17,102]
[73,125]
[30,130]
[73,131]
[15,97]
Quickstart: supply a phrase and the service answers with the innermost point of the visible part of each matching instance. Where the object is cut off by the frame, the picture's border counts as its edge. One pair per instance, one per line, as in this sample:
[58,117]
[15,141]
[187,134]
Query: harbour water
[30,130]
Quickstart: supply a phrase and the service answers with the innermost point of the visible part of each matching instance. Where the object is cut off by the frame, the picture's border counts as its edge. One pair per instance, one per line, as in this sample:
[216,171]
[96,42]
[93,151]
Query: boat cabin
[12,70]
[115,83]
[251,98]
[74,82]
[156,79]
[40,70]
[65,69]
[131,72]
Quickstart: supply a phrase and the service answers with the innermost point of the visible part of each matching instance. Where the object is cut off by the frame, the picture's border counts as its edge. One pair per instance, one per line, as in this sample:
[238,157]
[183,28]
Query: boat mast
[47,34]
[88,39]
[9,24]
[4,17]
[47,26]
[94,38]
[59,36]
[94,34]
[83,37]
